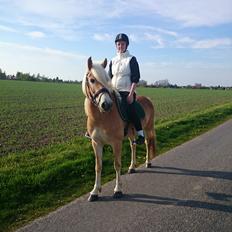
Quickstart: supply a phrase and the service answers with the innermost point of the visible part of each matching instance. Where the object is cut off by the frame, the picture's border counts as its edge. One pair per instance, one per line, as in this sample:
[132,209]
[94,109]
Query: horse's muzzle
[106,106]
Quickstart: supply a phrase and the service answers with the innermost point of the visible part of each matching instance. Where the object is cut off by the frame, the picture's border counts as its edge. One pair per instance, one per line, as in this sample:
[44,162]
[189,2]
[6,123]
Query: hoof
[93,198]
[131,171]
[118,195]
[148,165]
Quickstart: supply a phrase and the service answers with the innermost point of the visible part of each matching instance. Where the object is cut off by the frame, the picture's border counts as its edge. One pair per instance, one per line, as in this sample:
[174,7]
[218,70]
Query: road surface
[188,188]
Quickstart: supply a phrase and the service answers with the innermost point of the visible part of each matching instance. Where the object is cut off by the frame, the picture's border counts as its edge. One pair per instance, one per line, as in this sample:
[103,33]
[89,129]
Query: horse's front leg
[117,147]
[98,168]
[133,156]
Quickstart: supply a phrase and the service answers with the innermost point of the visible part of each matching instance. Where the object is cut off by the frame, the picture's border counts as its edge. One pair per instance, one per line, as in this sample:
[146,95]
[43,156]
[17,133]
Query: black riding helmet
[122,37]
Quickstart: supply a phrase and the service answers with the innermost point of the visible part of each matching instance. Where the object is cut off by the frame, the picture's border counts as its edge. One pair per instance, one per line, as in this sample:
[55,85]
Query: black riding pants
[131,111]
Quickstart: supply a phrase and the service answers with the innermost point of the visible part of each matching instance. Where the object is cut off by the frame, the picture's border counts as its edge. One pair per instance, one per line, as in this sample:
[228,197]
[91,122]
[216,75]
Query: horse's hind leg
[117,166]
[98,167]
[150,147]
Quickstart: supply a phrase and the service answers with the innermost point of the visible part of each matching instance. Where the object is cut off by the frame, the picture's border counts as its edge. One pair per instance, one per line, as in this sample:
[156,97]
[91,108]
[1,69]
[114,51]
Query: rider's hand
[130,99]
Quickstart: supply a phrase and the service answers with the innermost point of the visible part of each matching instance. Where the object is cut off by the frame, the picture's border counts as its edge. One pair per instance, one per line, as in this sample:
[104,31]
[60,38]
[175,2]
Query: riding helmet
[122,37]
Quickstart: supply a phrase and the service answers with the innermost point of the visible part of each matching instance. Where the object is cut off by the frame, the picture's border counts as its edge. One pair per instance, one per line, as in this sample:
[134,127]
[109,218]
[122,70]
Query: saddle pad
[139,109]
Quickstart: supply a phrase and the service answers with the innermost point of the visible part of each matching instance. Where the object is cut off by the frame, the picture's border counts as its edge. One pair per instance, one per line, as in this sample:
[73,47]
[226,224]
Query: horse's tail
[149,111]
[149,126]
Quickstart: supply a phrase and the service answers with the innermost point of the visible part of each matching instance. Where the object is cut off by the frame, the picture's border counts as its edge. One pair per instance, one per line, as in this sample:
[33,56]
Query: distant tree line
[157,84]
[28,77]
[166,84]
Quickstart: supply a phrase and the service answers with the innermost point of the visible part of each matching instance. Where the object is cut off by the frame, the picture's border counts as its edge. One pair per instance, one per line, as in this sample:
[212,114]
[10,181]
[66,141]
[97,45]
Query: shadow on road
[220,196]
[158,200]
[187,172]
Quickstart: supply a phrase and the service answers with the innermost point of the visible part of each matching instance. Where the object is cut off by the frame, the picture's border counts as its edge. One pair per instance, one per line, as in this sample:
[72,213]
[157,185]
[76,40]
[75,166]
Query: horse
[105,125]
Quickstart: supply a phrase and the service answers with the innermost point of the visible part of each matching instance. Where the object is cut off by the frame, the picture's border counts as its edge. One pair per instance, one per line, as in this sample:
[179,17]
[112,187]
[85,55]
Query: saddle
[123,112]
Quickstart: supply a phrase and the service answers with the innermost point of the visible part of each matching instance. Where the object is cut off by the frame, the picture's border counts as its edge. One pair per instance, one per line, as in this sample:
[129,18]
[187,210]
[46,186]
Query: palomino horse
[105,125]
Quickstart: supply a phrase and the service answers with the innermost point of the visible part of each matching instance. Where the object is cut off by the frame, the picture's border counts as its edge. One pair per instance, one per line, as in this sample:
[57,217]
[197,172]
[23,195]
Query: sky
[184,41]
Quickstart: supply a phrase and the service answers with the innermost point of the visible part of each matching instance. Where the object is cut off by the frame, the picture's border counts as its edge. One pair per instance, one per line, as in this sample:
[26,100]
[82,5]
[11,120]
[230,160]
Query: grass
[34,114]
[36,182]
[172,104]
[46,163]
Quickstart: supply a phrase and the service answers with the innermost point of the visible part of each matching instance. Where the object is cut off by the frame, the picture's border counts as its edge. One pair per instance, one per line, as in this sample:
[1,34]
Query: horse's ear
[104,63]
[90,63]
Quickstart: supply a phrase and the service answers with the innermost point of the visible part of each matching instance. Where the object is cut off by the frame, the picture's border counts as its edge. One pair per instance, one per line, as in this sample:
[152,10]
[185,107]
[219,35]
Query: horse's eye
[92,80]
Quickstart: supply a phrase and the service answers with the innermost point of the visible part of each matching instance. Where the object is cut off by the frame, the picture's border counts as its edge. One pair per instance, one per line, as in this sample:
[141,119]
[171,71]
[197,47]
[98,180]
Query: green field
[45,160]
[34,114]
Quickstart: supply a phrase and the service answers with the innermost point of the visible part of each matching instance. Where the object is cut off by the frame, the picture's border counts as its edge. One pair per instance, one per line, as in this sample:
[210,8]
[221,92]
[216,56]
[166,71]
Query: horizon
[55,38]
[153,85]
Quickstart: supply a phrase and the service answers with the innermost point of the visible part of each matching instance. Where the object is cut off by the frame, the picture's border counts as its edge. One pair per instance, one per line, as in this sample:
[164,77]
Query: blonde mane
[101,76]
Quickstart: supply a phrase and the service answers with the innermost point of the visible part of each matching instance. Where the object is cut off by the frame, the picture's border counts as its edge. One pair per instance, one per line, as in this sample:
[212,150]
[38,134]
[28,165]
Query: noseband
[93,97]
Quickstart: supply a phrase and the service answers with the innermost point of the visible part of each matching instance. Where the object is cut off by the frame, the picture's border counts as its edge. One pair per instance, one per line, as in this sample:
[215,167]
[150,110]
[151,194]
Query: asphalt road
[187,189]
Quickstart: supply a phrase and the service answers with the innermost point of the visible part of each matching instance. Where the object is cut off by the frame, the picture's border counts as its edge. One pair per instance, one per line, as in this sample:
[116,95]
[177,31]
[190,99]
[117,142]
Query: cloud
[167,32]
[187,42]
[24,49]
[71,19]
[102,37]
[62,30]
[56,9]
[213,43]
[7,29]
[152,29]
[190,13]
[36,34]
[133,38]
[71,10]
[157,39]
[68,20]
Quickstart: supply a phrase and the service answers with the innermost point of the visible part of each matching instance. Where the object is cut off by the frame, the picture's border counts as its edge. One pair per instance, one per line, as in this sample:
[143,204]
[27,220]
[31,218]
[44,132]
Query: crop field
[46,162]
[34,114]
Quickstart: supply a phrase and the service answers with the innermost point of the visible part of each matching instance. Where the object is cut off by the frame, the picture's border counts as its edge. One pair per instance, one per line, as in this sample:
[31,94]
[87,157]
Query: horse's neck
[93,111]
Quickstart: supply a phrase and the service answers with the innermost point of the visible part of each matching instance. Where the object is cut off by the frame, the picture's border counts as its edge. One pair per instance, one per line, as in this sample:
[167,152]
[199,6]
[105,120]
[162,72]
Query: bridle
[93,96]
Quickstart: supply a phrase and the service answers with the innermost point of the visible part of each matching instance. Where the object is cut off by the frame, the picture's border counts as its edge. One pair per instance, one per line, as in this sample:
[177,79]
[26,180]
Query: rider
[124,72]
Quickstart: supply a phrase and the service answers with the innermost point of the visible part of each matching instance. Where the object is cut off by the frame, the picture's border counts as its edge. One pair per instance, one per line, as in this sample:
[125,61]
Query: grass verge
[36,182]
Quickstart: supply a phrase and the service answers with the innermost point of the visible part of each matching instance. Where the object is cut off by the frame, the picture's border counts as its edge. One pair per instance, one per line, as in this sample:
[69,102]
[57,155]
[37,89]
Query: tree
[2,75]
[162,83]
[142,83]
